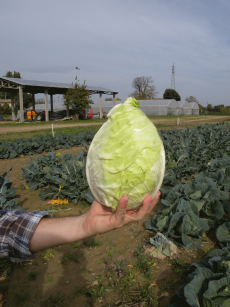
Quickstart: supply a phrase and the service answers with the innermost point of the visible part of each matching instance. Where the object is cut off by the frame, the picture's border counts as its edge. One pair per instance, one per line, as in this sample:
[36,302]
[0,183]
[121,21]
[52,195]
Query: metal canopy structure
[33,87]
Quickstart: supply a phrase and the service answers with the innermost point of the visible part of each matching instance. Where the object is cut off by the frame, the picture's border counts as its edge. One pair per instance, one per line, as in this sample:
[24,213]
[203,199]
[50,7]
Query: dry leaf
[58,201]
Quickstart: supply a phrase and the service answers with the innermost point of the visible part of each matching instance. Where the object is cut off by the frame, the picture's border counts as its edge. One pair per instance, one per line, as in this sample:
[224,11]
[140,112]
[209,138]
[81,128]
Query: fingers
[147,205]
[121,210]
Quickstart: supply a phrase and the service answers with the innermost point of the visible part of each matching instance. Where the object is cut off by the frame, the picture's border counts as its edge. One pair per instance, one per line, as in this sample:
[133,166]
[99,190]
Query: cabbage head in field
[126,157]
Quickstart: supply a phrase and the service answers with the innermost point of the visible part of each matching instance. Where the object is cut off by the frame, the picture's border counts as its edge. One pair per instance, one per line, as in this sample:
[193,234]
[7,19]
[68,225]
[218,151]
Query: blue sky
[115,41]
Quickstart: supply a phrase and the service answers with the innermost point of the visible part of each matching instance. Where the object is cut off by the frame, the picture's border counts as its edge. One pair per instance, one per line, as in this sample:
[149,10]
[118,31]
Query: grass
[91,242]
[55,300]
[11,136]
[88,121]
[21,298]
[181,267]
[48,255]
[75,256]
[33,275]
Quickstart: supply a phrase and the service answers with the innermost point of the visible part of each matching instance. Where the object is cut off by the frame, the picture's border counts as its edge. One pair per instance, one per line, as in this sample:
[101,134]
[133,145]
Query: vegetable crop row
[38,145]
[196,185]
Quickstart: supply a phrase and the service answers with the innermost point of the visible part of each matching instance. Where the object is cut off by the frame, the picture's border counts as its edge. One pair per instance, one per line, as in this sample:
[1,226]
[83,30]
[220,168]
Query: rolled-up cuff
[20,234]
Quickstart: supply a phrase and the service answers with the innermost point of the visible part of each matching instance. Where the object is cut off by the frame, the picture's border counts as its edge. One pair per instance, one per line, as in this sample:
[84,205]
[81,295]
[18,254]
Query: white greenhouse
[195,108]
[161,107]
[185,108]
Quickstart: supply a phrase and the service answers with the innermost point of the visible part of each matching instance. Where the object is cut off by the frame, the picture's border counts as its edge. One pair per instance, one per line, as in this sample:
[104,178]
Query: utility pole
[173,84]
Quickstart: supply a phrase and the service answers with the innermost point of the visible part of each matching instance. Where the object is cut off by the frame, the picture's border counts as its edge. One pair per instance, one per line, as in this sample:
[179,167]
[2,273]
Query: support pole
[46,106]
[100,105]
[67,110]
[33,101]
[12,106]
[114,99]
[21,104]
[51,103]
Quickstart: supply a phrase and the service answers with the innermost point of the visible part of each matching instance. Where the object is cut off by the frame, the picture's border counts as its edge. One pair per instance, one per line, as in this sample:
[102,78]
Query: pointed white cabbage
[126,157]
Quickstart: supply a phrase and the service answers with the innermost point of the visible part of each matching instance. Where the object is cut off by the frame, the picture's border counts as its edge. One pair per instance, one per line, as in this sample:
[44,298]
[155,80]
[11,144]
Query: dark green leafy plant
[65,175]
[31,146]
[7,200]
[209,284]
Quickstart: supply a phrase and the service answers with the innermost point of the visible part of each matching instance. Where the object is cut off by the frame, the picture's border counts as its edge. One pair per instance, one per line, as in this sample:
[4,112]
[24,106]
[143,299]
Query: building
[195,108]
[185,108]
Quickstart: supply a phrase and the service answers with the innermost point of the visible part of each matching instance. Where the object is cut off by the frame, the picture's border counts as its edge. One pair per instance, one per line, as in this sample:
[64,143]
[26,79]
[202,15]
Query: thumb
[121,211]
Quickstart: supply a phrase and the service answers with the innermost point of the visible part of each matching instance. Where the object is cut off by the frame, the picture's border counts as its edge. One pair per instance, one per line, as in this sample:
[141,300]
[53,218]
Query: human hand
[100,219]
[52,232]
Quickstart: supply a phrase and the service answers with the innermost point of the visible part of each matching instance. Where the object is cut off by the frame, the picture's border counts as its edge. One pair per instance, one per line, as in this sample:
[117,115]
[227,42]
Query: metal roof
[33,86]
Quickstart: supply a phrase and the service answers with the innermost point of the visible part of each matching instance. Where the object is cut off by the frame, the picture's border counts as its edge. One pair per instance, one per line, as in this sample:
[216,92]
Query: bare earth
[185,120]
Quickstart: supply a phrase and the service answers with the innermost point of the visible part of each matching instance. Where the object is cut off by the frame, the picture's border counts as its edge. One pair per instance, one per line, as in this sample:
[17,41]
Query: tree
[16,74]
[9,74]
[191,99]
[201,108]
[171,94]
[144,88]
[78,98]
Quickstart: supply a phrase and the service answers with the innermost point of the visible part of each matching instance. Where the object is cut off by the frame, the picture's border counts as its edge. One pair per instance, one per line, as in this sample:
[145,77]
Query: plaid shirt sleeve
[16,230]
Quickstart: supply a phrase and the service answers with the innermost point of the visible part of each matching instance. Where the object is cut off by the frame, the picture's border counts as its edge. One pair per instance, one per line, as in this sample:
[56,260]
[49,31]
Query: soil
[56,276]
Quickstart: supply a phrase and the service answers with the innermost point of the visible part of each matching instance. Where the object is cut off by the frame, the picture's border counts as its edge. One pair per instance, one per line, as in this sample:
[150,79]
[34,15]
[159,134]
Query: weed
[48,255]
[81,290]
[91,242]
[33,275]
[55,300]
[144,266]
[110,252]
[181,267]
[135,235]
[5,264]
[49,279]
[166,287]
[143,293]
[9,271]
[94,294]
[74,256]
[120,264]
[21,265]
[121,252]
[22,187]
[144,263]
[21,298]
[113,244]
[98,290]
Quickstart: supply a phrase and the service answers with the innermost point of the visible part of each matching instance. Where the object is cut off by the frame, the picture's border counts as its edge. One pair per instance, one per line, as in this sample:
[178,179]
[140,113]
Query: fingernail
[150,200]
[126,199]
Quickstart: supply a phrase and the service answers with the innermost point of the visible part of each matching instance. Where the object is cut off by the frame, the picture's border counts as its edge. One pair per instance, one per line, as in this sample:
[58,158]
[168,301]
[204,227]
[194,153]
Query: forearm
[52,232]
